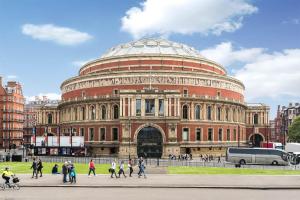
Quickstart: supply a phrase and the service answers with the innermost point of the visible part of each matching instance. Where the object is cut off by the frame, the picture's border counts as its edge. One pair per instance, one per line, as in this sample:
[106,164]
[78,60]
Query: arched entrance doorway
[256,140]
[149,143]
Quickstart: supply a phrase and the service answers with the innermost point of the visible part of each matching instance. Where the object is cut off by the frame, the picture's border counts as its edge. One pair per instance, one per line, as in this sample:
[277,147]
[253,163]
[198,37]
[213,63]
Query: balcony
[215,98]
[90,98]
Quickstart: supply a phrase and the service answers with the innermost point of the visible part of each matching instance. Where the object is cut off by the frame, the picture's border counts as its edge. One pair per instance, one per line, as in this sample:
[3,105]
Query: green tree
[294,131]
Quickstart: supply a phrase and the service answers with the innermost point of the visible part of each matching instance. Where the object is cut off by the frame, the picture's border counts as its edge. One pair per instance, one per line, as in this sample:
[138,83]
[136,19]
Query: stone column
[166,109]
[129,106]
[87,112]
[97,111]
[121,107]
[204,112]
[169,107]
[178,107]
[142,106]
[133,106]
[156,104]
[124,107]
[192,109]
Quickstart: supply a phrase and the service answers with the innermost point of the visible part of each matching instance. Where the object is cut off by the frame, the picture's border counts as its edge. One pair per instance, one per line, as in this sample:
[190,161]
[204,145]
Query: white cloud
[265,74]
[225,54]
[51,96]
[295,21]
[12,77]
[186,17]
[57,34]
[272,75]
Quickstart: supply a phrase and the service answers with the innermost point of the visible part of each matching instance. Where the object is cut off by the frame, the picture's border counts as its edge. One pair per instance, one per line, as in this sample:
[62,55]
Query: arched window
[255,118]
[50,118]
[116,112]
[234,115]
[208,112]
[103,112]
[75,114]
[185,112]
[93,112]
[219,113]
[197,112]
[227,114]
[82,113]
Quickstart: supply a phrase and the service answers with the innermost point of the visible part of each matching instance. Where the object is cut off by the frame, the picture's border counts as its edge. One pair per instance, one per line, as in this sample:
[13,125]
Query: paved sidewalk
[169,181]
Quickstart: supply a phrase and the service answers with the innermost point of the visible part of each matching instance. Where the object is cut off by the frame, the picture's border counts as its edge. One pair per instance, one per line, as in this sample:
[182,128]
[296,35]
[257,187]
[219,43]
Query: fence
[164,162]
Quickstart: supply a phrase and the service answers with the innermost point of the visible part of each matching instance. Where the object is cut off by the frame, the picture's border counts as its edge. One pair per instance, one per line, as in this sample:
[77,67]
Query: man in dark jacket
[34,169]
[65,171]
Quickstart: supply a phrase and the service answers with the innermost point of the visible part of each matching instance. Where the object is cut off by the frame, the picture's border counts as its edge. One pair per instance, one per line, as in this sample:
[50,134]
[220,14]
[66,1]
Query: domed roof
[152,46]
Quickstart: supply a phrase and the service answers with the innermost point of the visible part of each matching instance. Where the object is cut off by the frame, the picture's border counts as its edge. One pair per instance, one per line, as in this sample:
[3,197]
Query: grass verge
[24,167]
[229,171]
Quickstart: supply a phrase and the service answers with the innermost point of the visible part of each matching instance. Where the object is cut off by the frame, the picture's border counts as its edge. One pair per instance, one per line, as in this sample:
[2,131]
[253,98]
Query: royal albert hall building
[154,97]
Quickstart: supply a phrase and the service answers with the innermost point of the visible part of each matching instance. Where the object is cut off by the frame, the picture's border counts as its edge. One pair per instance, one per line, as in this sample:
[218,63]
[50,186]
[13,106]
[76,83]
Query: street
[145,194]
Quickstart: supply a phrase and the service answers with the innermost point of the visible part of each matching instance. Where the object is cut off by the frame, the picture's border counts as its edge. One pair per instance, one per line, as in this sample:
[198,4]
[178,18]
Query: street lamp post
[71,140]
[129,137]
[238,135]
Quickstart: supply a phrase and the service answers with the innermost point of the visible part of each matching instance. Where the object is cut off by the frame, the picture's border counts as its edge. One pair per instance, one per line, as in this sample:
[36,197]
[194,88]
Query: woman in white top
[113,169]
[121,171]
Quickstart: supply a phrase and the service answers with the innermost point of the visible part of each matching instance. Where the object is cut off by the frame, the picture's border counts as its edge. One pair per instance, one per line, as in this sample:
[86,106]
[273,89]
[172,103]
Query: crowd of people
[181,157]
[69,173]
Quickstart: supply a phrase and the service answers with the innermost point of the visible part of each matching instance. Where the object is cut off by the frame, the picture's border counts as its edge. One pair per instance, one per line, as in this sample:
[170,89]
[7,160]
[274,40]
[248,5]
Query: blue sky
[256,40]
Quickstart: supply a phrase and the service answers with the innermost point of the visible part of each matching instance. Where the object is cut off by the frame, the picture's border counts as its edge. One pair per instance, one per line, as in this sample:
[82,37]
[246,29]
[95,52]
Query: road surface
[145,194]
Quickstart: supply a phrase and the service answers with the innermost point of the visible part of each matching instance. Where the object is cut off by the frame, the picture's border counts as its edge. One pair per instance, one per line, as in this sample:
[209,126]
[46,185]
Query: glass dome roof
[152,46]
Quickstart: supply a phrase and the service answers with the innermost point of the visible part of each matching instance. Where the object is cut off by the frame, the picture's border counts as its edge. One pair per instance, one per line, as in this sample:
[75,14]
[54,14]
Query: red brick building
[11,115]
[154,97]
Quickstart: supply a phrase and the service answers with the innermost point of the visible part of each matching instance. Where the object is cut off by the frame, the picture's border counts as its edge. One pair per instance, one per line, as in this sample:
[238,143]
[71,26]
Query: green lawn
[236,171]
[24,167]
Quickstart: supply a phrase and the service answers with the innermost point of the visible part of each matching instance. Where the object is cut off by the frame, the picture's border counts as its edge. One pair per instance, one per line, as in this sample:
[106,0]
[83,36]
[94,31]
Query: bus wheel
[242,162]
[274,163]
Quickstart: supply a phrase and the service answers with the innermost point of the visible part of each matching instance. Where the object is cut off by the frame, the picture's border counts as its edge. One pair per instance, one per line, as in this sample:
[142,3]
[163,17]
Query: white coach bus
[263,156]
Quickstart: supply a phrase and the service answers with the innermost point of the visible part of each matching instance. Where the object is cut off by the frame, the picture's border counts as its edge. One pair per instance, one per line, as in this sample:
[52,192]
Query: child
[73,175]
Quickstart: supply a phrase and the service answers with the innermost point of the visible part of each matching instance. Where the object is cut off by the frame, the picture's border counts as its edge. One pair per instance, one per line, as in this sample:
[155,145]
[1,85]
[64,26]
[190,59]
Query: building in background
[11,115]
[284,118]
[257,123]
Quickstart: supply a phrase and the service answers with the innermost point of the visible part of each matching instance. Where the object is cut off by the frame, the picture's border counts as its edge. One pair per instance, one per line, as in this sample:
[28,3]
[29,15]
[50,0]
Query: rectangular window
[210,134]
[150,106]
[115,134]
[91,134]
[185,93]
[228,135]
[102,134]
[185,134]
[161,106]
[138,107]
[198,134]
[234,134]
[220,134]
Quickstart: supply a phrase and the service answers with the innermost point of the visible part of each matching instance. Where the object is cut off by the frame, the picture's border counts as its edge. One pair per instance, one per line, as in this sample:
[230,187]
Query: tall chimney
[0,81]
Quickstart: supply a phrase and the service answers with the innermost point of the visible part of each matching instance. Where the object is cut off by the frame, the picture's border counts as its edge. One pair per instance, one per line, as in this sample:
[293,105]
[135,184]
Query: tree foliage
[294,131]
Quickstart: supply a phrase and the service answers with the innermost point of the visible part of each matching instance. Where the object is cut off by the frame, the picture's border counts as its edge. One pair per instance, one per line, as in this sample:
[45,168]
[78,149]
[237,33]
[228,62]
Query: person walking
[92,167]
[65,172]
[142,169]
[139,165]
[113,169]
[130,167]
[34,169]
[69,166]
[121,170]
[40,167]
[73,175]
